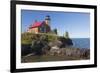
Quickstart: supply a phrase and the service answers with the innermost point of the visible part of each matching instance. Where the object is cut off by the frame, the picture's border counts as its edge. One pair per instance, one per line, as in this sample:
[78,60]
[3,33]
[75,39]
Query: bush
[27,38]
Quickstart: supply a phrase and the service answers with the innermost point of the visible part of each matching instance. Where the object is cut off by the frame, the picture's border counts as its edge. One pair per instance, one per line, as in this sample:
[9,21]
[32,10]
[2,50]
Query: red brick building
[40,27]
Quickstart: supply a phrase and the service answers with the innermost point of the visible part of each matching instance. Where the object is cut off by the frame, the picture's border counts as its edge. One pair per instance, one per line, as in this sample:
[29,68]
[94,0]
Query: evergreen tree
[55,31]
[66,34]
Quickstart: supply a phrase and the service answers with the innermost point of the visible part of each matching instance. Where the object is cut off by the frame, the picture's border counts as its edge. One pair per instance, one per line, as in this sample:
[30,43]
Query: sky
[75,23]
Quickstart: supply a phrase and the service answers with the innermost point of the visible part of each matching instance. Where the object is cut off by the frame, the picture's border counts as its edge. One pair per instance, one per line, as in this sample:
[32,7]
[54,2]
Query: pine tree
[66,34]
[55,31]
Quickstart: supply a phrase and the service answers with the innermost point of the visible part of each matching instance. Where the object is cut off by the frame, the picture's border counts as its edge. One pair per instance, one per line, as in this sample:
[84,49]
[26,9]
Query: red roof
[36,24]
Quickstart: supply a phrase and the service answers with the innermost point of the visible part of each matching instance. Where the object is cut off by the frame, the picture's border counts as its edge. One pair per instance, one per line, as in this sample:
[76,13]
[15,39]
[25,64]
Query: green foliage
[51,38]
[27,38]
[55,31]
[66,35]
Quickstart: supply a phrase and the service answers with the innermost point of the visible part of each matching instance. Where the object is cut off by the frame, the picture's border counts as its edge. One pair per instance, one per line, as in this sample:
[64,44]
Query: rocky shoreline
[50,48]
[66,51]
[58,55]
[76,52]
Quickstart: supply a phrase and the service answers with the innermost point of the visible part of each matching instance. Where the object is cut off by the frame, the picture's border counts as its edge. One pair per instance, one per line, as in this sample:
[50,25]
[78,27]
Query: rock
[37,47]
[85,52]
[75,52]
[69,52]
[26,49]
[55,52]
[65,42]
[55,43]
[46,49]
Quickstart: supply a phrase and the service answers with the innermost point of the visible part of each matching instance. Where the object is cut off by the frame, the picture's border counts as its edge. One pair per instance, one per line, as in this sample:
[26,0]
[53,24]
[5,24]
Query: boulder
[56,43]
[26,49]
[65,42]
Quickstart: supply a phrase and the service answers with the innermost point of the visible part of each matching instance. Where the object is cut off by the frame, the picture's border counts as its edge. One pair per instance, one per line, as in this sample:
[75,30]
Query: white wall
[5,37]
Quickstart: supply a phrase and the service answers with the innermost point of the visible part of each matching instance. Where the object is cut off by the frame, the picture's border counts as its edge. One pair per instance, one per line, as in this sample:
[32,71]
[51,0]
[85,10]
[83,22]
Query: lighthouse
[47,20]
[40,27]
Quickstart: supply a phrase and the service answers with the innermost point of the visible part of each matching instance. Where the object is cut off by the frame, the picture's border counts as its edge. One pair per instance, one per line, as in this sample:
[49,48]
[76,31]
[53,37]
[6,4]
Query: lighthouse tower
[47,20]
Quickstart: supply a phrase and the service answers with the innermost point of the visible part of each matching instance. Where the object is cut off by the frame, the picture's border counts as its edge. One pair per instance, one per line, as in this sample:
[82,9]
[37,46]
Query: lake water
[81,42]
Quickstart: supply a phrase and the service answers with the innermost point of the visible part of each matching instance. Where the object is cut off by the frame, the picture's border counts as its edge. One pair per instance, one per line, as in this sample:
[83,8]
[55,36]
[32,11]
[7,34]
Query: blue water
[81,42]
